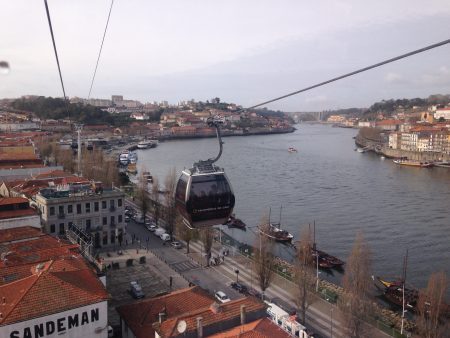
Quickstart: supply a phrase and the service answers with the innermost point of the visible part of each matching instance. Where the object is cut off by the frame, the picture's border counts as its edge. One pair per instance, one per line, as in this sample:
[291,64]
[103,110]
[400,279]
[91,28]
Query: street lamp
[237,275]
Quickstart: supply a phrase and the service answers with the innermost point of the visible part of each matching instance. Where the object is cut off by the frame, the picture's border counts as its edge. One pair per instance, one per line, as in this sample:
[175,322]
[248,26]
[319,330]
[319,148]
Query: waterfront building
[409,141]
[47,289]
[96,210]
[394,139]
[388,125]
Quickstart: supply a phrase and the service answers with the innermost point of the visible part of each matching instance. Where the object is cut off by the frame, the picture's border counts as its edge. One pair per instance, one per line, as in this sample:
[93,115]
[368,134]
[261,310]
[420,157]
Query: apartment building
[96,210]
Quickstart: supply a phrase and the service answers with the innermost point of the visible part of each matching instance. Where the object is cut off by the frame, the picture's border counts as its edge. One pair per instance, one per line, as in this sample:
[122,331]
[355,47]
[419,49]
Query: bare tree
[304,272]
[207,236]
[170,211]
[156,199]
[143,198]
[431,307]
[354,302]
[264,258]
[185,233]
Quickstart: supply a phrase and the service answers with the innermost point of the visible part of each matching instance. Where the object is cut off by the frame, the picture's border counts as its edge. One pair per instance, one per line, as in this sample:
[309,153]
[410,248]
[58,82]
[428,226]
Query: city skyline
[243,53]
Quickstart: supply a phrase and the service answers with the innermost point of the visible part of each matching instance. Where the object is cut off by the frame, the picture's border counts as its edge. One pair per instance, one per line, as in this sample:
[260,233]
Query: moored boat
[234,222]
[292,150]
[274,232]
[132,157]
[413,163]
[145,144]
[123,157]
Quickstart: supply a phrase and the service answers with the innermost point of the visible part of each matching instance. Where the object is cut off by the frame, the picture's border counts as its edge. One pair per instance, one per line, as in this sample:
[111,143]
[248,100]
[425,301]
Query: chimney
[242,314]
[161,317]
[199,327]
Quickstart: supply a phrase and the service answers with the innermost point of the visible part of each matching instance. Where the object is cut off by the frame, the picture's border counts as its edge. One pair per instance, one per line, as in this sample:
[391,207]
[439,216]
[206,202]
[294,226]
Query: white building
[442,112]
[408,141]
[15,212]
[393,140]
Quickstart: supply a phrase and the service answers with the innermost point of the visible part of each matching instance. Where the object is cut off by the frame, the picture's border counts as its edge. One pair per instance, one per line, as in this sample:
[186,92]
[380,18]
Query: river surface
[343,191]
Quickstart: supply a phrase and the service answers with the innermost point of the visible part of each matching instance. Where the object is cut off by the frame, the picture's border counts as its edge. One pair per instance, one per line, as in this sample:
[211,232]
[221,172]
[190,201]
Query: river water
[343,191]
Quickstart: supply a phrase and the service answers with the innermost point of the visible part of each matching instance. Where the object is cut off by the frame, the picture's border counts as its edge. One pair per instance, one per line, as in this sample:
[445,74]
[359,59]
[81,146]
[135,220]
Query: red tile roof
[19,234]
[227,312]
[261,328]
[32,250]
[17,213]
[12,200]
[56,287]
[141,316]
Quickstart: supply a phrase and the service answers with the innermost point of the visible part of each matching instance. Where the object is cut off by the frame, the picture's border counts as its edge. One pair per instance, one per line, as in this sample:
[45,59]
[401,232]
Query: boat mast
[405,262]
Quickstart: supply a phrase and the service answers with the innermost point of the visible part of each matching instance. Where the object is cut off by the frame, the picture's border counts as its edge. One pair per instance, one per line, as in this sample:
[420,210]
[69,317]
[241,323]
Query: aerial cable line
[57,59]
[101,47]
[382,63]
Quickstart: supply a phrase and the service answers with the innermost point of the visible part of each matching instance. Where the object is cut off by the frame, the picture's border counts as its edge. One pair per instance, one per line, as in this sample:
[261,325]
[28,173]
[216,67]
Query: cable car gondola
[203,195]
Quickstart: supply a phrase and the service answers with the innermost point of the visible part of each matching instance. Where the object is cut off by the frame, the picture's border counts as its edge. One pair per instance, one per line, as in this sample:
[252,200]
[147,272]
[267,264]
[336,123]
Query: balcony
[61,215]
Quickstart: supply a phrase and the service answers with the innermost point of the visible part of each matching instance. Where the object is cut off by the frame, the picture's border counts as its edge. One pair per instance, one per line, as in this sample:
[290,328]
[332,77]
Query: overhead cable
[101,47]
[417,51]
[56,55]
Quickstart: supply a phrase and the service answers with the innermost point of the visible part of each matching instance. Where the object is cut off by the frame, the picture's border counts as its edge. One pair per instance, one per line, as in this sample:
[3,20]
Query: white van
[158,232]
[165,237]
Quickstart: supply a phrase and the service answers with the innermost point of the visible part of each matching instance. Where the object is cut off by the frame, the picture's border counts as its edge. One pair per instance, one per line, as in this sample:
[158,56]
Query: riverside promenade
[322,317]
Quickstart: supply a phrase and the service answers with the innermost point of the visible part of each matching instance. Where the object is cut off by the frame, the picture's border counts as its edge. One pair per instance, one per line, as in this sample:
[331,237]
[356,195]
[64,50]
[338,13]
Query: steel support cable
[101,47]
[417,51]
[57,59]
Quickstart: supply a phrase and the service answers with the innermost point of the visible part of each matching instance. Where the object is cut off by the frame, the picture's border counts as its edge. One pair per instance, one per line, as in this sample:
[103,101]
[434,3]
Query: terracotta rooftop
[141,316]
[54,173]
[19,234]
[261,328]
[12,200]
[33,249]
[17,213]
[52,287]
[226,314]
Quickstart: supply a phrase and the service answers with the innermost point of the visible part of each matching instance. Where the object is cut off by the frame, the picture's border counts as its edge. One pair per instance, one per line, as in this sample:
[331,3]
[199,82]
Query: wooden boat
[235,223]
[274,232]
[334,261]
[412,163]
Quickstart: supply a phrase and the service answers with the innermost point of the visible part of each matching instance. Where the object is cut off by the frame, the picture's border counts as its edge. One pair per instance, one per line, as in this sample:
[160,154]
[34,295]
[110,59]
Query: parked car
[136,290]
[221,297]
[176,244]
[254,293]
[127,219]
[151,228]
[239,287]
[159,231]
[165,237]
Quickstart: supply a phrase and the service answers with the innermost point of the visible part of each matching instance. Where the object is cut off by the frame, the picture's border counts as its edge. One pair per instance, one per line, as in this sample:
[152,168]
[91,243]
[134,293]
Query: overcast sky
[243,51]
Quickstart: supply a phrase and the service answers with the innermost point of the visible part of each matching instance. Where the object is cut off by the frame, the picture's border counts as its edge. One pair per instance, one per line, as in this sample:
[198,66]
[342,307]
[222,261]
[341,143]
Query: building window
[113,220]
[88,225]
[69,208]
[52,228]
[119,219]
[119,202]
[111,203]
[52,211]
[95,206]
[105,238]
[61,228]
[78,208]
[70,224]
[88,207]
[113,237]
[105,220]
[61,209]
[103,204]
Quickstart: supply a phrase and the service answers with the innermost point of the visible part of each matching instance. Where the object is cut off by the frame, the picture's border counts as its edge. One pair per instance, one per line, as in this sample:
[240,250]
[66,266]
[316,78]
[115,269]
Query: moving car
[221,297]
